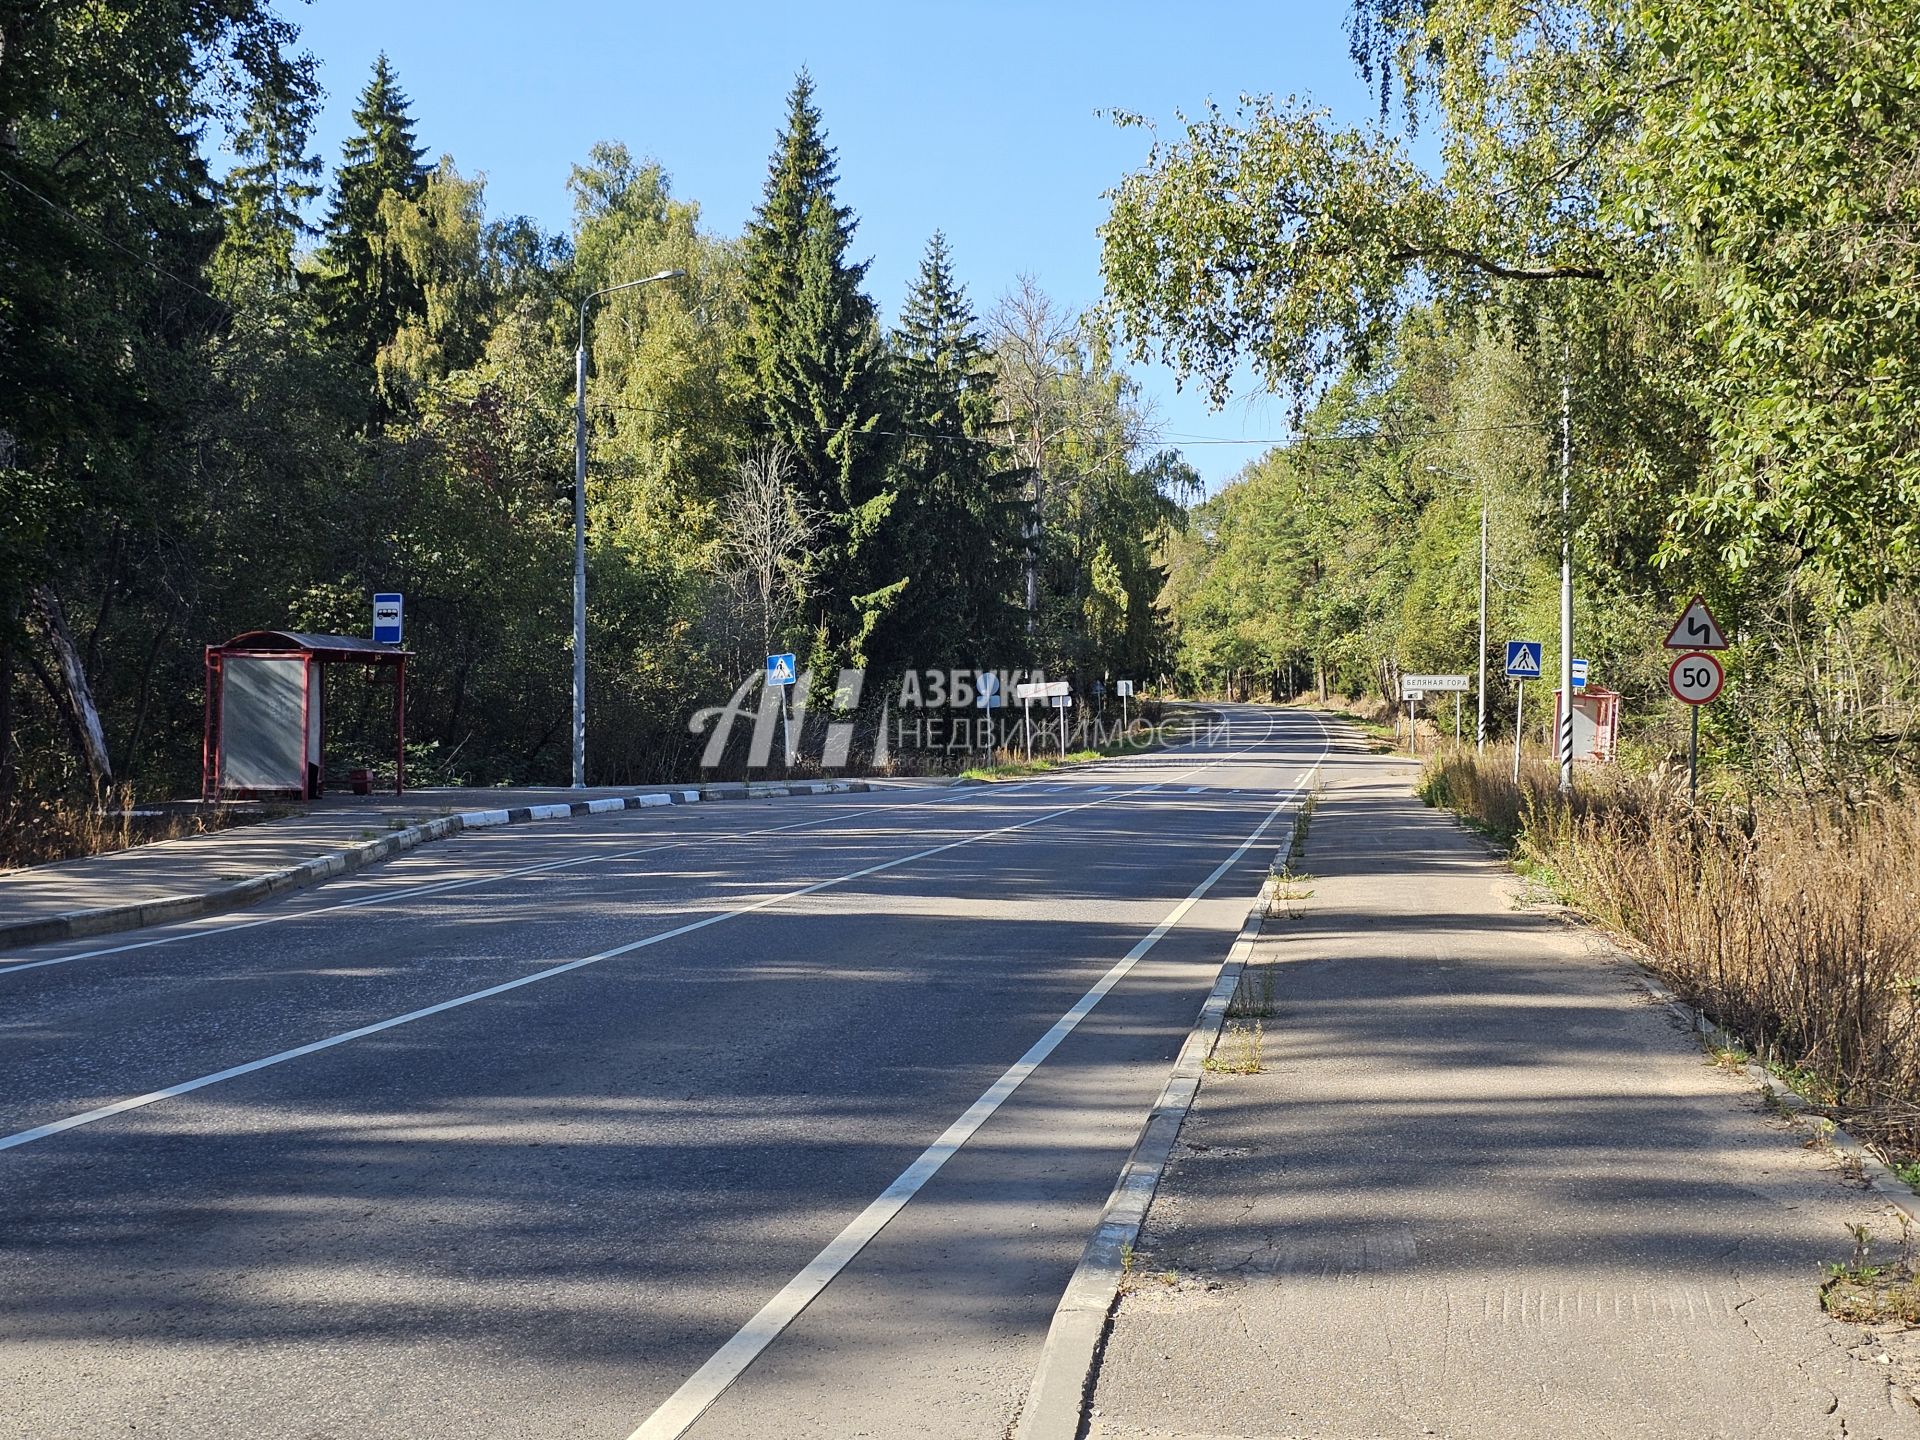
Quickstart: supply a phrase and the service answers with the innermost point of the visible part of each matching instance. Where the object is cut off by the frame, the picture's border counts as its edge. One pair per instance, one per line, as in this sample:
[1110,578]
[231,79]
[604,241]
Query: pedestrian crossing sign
[1523,659]
[780,669]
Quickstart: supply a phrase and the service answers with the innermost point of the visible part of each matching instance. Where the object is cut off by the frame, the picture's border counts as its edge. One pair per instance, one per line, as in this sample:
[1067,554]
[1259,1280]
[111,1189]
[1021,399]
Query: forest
[1686,231]
[245,386]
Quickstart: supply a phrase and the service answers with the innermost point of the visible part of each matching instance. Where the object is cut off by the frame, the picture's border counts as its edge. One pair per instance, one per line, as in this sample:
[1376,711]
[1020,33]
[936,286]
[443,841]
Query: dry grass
[40,830]
[1793,926]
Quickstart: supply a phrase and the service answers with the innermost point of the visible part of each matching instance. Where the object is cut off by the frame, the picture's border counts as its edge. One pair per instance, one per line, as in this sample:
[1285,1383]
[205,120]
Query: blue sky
[980,119]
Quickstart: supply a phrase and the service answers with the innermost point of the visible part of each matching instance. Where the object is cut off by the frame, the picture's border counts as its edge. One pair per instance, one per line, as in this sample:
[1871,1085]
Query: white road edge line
[729,1362]
[234,1072]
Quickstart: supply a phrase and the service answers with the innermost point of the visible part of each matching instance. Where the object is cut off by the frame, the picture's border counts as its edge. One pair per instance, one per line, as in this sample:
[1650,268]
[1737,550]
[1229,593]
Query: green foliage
[812,352]
[368,291]
[205,428]
[1691,215]
[957,520]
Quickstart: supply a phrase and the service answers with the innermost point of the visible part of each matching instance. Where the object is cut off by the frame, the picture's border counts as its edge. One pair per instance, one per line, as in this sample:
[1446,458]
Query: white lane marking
[711,1380]
[1195,789]
[442,887]
[187,1087]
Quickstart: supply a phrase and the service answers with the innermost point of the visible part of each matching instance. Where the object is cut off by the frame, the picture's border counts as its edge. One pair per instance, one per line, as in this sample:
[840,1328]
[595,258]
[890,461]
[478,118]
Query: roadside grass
[1253,996]
[1288,882]
[1865,1293]
[1790,925]
[38,831]
[1007,765]
[1012,769]
[1239,1050]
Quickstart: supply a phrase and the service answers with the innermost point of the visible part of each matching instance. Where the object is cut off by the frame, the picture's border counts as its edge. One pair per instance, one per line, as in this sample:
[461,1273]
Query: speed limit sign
[1695,678]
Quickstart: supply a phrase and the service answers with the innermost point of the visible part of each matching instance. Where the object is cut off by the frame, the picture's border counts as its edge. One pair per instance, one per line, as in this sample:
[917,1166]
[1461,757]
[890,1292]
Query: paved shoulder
[1482,1188]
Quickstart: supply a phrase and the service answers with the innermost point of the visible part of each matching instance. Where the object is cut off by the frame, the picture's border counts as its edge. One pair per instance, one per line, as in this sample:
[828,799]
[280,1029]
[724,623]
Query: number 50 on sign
[1695,678]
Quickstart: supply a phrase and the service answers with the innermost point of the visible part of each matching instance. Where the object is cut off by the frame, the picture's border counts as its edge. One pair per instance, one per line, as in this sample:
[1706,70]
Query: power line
[107,239]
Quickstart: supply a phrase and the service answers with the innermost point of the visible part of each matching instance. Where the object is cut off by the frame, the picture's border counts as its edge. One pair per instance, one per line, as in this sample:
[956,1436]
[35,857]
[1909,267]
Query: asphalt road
[511,1136]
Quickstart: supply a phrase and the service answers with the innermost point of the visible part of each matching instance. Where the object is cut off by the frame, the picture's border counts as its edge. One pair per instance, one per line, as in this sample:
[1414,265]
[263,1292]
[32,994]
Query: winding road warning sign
[1696,629]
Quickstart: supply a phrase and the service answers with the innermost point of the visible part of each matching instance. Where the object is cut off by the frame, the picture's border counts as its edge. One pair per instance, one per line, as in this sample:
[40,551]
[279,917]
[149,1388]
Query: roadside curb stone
[110,919]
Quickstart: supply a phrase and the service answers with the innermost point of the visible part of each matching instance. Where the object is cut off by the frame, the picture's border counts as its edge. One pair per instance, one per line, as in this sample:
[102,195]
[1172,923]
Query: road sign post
[1695,679]
[1123,688]
[1048,690]
[1417,687]
[782,671]
[989,697]
[1523,664]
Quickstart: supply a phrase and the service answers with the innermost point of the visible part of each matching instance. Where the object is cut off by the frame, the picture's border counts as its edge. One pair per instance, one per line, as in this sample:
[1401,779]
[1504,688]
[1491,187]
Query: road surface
[513,1136]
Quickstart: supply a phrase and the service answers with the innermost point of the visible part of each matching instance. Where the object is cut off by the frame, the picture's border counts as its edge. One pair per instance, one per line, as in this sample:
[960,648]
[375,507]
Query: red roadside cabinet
[1596,724]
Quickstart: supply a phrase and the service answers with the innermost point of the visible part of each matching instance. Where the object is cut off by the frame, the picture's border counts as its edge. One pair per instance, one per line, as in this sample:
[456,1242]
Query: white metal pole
[1519,714]
[580,522]
[580,555]
[1566,589]
[1480,727]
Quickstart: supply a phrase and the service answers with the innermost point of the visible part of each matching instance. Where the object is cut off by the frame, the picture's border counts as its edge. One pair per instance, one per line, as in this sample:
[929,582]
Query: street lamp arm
[593,295]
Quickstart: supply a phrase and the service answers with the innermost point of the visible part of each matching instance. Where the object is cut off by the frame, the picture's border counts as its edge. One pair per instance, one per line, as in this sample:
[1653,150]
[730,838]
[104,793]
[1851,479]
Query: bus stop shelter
[266,697]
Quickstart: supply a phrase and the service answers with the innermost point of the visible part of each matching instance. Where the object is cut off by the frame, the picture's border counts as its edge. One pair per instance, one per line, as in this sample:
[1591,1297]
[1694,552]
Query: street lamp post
[580,524]
[1565,737]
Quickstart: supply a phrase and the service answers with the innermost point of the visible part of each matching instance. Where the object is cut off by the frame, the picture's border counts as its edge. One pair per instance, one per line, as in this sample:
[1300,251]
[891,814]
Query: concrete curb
[107,920]
[1880,1177]
[1057,1399]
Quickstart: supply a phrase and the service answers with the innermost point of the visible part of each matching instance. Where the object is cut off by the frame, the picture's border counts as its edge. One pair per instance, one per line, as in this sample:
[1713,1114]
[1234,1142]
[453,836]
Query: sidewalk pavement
[201,874]
[1483,1187]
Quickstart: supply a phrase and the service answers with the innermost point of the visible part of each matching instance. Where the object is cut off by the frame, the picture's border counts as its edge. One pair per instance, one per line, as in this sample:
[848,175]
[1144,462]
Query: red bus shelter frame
[319,651]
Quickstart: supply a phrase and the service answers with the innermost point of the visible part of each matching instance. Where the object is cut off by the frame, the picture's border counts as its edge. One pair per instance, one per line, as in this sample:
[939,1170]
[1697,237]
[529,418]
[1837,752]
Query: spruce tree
[367,297]
[956,524]
[812,355]
[268,188]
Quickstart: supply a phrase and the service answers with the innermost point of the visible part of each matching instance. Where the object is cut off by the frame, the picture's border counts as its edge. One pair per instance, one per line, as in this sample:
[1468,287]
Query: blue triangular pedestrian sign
[1523,659]
[780,669]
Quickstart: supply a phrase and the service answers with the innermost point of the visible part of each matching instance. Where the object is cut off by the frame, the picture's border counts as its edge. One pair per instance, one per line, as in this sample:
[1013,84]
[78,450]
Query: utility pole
[1480,730]
[1566,583]
[580,524]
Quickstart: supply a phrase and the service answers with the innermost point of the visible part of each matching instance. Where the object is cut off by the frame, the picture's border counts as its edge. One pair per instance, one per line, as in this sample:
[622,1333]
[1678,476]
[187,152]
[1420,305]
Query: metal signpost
[1062,702]
[782,671]
[988,696]
[386,619]
[1523,664]
[1442,684]
[1031,690]
[1123,688]
[1695,678]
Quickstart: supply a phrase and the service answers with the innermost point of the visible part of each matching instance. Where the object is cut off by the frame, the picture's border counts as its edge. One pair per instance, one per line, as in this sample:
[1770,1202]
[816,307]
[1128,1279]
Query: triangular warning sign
[1696,629]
